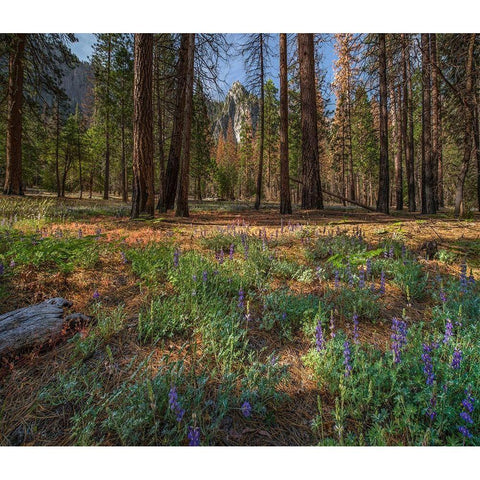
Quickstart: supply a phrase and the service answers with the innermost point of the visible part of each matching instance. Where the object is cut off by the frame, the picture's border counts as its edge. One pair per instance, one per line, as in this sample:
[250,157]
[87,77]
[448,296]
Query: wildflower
[391,252]
[80,233]
[124,257]
[464,431]
[319,340]
[404,250]
[456,359]
[382,283]
[246,409]
[176,254]
[232,249]
[465,416]
[347,358]
[241,298]
[361,279]
[204,276]
[2,268]
[428,365]
[448,331]
[96,295]
[467,405]
[399,337]
[174,404]
[443,296]
[471,278]
[221,258]
[369,267]
[463,278]
[468,401]
[431,413]
[337,278]
[12,264]
[193,436]
[355,328]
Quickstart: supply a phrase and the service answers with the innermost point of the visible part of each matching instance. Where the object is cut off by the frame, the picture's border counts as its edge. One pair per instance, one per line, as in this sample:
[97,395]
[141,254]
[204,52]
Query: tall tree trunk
[408,124]
[285,200]
[428,176]
[123,160]
[468,115]
[106,186]
[184,173]
[436,126]
[167,200]
[383,176]
[79,152]
[57,148]
[144,188]
[13,170]
[160,133]
[477,143]
[258,194]
[311,183]
[397,141]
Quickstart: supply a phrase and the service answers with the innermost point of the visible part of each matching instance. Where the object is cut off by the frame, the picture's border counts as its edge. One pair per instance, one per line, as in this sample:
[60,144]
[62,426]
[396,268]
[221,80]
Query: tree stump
[32,326]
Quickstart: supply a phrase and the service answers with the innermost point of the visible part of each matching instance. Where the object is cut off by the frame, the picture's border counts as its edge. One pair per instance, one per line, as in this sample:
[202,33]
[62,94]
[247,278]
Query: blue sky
[231,70]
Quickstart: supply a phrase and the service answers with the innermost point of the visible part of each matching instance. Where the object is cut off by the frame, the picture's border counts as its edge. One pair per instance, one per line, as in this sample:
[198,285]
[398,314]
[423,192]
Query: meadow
[235,327]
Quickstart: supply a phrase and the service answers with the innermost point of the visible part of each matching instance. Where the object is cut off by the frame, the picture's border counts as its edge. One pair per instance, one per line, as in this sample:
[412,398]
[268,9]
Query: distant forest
[141,121]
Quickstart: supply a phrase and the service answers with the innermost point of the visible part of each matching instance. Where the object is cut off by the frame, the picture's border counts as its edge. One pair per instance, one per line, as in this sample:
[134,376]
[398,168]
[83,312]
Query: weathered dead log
[366,207]
[32,326]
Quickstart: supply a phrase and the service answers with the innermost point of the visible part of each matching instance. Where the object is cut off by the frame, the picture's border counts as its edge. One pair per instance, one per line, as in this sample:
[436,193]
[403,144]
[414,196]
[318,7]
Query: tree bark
[383,178]
[408,124]
[160,133]
[144,190]
[13,170]
[436,127]
[428,176]
[468,115]
[312,187]
[106,186]
[57,147]
[258,194]
[285,200]
[184,173]
[167,200]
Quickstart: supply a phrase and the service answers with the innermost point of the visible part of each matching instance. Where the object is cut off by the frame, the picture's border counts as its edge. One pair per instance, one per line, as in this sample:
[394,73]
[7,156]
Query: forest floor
[107,381]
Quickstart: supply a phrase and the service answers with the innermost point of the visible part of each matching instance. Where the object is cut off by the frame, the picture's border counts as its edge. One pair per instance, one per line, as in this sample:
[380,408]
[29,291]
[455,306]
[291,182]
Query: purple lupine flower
[12,264]
[463,278]
[468,402]
[355,328]
[176,254]
[96,295]
[319,340]
[443,296]
[241,298]
[80,233]
[372,287]
[385,254]
[194,277]
[391,252]
[337,277]
[456,359]
[399,337]
[465,416]
[464,431]
[404,250]
[350,276]
[193,436]
[284,316]
[431,413]
[361,279]
[2,268]
[246,409]
[448,331]
[232,249]
[471,278]
[204,276]
[347,358]
[174,404]
[222,256]
[369,267]
[332,326]
[382,283]
[246,248]
[124,257]
[428,364]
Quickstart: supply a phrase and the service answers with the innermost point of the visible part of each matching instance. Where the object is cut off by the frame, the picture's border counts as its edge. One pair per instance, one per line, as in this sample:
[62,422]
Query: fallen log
[366,207]
[32,326]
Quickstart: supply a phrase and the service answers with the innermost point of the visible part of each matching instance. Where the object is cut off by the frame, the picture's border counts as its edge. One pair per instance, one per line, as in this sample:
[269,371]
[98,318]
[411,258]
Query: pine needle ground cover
[242,328]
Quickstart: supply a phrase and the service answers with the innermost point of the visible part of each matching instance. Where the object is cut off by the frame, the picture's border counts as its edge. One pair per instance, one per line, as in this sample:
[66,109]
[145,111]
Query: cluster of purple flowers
[96,295]
[456,359]
[319,340]
[399,338]
[193,436]
[337,279]
[174,404]
[428,364]
[204,276]
[361,279]
[448,331]
[332,325]
[431,413]
[463,278]
[176,255]
[369,267]
[355,328]
[231,251]
[241,298]
[347,358]
[465,414]
[246,409]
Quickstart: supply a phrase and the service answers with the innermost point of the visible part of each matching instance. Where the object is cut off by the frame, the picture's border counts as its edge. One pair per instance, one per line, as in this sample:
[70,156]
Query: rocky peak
[239,106]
